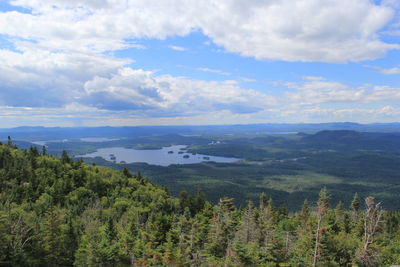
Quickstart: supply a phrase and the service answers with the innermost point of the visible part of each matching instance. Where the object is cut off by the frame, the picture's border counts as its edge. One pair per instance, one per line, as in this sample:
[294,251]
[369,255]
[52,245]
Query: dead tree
[322,206]
[372,219]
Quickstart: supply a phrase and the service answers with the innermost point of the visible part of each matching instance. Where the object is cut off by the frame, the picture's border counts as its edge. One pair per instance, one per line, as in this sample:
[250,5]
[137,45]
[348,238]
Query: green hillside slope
[57,212]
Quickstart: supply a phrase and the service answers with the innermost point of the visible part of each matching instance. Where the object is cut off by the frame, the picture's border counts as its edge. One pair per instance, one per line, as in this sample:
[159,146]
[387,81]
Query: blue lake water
[166,156]
[97,139]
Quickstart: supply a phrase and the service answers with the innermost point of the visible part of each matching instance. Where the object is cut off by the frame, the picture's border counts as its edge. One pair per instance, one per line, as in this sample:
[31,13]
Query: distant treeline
[60,212]
[56,133]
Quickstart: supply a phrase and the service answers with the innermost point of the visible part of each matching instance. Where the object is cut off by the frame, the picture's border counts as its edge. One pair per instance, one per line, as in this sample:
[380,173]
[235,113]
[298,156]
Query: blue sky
[157,62]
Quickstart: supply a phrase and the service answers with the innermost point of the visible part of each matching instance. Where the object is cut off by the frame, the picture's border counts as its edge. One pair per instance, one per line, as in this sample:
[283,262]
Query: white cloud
[382,94]
[310,30]
[247,80]
[362,115]
[166,95]
[385,71]
[42,79]
[59,69]
[307,30]
[391,3]
[214,71]
[39,78]
[316,91]
[390,71]
[313,78]
[185,108]
[177,48]
[319,91]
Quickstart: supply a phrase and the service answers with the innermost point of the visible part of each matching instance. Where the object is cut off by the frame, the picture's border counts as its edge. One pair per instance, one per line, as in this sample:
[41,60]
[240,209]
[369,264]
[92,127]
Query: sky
[191,62]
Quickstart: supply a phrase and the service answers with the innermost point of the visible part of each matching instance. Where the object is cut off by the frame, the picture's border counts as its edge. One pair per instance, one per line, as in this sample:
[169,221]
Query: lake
[164,157]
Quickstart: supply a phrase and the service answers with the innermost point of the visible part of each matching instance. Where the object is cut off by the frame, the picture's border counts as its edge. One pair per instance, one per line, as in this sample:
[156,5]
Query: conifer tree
[53,237]
[127,173]
[55,213]
[248,229]
[304,214]
[9,141]
[221,229]
[355,203]
[65,158]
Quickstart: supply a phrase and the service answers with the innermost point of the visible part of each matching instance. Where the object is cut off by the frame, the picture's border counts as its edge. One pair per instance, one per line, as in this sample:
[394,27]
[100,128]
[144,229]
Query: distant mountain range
[353,140]
[47,133]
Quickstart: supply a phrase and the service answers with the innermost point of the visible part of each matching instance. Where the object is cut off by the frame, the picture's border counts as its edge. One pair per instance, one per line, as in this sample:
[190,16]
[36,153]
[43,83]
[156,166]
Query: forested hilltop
[60,212]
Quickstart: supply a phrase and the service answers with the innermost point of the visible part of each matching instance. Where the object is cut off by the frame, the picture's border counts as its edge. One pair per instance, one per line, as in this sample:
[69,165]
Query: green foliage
[58,212]
[288,167]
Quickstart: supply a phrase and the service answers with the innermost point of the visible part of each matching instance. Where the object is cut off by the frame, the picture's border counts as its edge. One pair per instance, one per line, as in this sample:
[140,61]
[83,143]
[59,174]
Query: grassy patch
[299,182]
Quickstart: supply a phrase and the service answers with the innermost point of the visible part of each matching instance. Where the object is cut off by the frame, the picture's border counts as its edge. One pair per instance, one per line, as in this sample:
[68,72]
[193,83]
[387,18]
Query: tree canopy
[60,212]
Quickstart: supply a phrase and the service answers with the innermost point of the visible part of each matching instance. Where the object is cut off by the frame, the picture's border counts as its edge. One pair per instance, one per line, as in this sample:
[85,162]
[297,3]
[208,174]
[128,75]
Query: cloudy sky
[162,62]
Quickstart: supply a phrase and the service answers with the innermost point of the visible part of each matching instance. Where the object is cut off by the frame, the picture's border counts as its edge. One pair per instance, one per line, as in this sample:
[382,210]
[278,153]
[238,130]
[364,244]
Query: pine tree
[53,237]
[221,230]
[355,206]
[304,214]
[263,201]
[248,229]
[355,203]
[127,173]
[9,141]
[65,158]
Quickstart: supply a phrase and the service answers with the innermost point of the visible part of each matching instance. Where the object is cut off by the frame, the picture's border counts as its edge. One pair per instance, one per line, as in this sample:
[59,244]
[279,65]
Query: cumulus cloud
[308,30]
[39,78]
[62,64]
[166,95]
[99,25]
[316,91]
[54,80]
[322,91]
[363,115]
[312,30]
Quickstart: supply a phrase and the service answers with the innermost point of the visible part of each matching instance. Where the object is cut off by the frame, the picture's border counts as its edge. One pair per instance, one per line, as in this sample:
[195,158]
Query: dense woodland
[286,167]
[60,212]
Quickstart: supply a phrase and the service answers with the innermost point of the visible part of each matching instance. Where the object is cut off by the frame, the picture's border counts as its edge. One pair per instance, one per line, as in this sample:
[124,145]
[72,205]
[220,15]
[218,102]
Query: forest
[287,167]
[56,211]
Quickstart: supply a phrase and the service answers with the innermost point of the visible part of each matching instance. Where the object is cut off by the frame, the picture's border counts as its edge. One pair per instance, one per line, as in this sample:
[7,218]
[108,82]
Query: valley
[241,164]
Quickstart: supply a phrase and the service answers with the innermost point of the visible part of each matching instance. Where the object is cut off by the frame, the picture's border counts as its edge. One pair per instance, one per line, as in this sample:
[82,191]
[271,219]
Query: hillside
[345,140]
[57,133]
[287,167]
[57,212]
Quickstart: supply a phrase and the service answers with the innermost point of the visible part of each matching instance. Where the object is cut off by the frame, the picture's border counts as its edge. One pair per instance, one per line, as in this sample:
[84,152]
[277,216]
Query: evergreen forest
[55,211]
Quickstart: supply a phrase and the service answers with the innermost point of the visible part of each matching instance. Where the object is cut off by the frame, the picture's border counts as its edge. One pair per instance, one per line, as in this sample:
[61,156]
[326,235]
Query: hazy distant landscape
[288,162]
